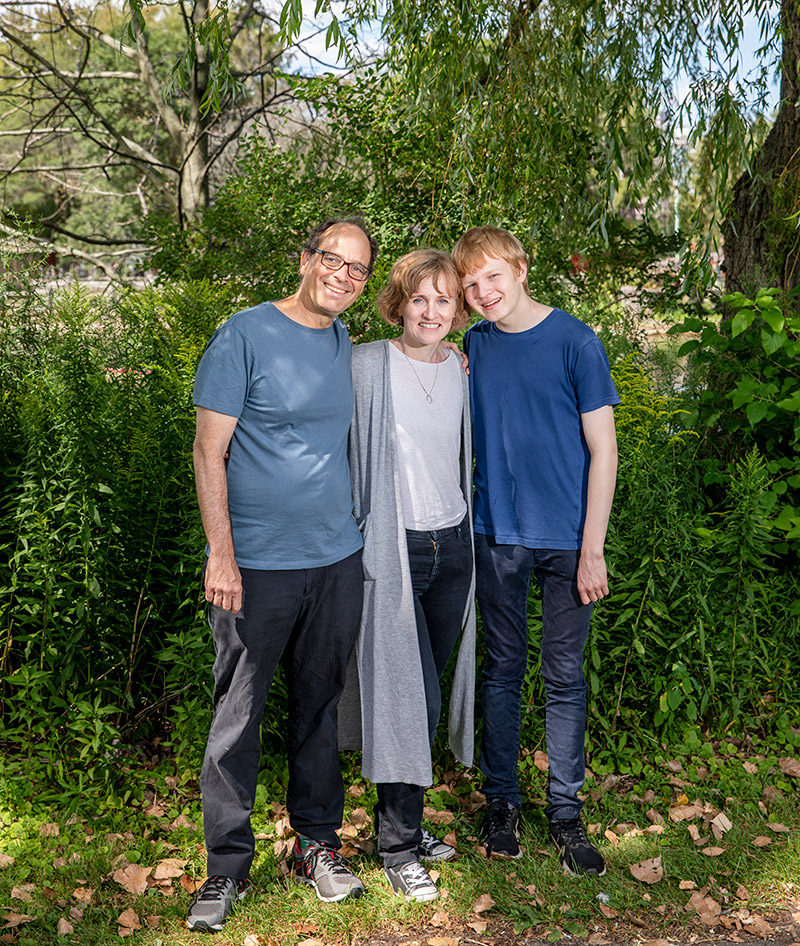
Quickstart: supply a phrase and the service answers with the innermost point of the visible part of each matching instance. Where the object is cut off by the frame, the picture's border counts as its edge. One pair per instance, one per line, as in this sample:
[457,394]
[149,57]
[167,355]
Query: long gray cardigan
[383,710]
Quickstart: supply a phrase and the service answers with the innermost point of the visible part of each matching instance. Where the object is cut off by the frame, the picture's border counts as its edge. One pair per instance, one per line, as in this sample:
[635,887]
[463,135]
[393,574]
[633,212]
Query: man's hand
[592,578]
[223,583]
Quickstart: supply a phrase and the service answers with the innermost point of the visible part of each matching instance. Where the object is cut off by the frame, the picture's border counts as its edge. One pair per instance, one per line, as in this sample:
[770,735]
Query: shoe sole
[200,926]
[352,894]
[502,856]
[568,871]
[417,898]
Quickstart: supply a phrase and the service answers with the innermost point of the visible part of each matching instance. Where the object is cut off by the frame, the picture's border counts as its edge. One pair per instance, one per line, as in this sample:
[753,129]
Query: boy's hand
[457,350]
[592,578]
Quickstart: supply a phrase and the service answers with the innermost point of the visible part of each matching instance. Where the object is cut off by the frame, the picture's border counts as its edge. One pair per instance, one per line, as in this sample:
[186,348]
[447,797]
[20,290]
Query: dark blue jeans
[503,575]
[307,619]
[441,574]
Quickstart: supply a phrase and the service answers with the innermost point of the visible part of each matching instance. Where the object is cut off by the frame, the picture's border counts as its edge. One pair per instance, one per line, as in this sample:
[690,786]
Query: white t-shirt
[428,439]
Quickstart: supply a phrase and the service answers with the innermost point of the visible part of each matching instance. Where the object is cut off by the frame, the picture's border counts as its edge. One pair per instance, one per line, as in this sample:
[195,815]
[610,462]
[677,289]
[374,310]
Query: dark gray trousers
[307,619]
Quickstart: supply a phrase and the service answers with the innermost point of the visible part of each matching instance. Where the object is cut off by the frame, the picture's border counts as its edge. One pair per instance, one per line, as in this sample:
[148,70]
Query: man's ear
[305,257]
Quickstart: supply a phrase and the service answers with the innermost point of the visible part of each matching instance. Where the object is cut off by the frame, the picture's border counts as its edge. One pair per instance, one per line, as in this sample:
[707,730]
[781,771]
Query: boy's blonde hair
[472,250]
[408,274]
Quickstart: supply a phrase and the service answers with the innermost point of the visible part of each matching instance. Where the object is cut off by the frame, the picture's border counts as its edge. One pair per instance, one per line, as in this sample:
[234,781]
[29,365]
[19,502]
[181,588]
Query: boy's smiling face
[496,291]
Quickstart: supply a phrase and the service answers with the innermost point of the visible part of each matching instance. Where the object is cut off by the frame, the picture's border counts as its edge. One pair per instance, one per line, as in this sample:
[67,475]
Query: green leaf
[742,321]
[772,341]
[774,318]
[756,411]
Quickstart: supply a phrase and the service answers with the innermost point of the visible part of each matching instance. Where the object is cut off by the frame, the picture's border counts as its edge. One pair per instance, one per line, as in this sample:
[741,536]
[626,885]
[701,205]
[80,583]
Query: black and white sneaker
[411,881]
[432,849]
[324,869]
[500,829]
[213,903]
[578,854]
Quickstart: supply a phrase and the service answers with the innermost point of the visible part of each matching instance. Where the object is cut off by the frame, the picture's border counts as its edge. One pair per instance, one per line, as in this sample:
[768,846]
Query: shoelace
[573,832]
[414,875]
[332,859]
[214,888]
[498,821]
[428,840]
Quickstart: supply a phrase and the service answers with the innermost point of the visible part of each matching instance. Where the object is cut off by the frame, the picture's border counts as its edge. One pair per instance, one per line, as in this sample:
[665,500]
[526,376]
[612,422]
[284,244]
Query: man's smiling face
[327,293]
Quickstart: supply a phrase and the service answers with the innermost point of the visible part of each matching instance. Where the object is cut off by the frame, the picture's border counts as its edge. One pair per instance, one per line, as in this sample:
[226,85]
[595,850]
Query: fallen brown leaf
[450,838]
[607,911]
[742,893]
[360,819]
[261,939]
[356,791]
[707,908]
[757,926]
[23,892]
[649,871]
[713,851]
[130,919]
[778,828]
[687,885]
[722,822]
[310,942]
[133,878]
[443,941]
[761,841]
[478,926]
[750,767]
[438,817]
[654,816]
[483,903]
[6,860]
[541,761]
[685,812]
[17,919]
[440,918]
[83,894]
[64,928]
[790,766]
[283,829]
[183,822]
[168,868]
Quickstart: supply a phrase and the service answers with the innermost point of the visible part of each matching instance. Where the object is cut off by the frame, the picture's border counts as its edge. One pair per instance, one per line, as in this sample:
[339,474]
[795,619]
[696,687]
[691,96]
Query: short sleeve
[222,378]
[594,387]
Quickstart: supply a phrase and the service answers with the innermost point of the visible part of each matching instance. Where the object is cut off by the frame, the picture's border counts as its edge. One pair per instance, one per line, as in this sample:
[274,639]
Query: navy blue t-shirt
[291,388]
[528,390]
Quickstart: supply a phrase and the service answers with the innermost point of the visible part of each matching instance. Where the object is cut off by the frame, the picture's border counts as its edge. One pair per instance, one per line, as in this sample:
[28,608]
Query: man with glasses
[283,574]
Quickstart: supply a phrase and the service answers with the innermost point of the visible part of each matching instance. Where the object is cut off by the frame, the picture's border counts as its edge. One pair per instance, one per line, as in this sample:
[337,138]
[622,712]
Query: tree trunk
[762,246]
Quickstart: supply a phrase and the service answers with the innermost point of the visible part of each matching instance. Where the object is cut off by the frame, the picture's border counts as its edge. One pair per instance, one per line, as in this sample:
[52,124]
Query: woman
[410,460]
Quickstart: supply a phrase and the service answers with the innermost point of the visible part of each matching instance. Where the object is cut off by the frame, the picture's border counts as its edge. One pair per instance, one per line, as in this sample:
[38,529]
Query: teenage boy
[545,468]
[283,576]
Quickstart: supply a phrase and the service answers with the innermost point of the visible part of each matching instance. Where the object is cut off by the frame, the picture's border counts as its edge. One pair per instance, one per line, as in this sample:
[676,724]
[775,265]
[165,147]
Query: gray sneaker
[213,903]
[432,849]
[324,869]
[411,881]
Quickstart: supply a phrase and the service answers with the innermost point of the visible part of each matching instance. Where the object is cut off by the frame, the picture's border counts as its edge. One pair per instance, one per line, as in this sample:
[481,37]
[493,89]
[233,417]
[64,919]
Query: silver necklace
[428,394]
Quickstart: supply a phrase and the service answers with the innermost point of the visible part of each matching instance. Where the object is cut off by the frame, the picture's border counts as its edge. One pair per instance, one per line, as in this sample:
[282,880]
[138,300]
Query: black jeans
[307,619]
[441,573]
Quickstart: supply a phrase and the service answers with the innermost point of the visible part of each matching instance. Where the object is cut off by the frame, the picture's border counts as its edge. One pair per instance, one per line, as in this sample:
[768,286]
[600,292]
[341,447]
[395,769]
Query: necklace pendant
[429,399]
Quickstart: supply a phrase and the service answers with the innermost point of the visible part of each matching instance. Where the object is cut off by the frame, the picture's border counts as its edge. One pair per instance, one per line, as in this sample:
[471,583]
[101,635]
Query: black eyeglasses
[333,262]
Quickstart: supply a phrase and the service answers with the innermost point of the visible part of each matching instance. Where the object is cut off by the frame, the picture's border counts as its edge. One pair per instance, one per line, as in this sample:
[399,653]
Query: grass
[75,869]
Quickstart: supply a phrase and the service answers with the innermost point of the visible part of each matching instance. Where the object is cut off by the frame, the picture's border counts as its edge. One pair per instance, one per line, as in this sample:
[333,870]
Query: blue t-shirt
[528,390]
[291,388]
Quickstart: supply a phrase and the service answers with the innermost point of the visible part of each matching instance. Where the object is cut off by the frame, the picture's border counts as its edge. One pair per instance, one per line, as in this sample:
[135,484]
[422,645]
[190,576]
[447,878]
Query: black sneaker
[323,867]
[500,829]
[213,903]
[411,881]
[578,854]
[432,849]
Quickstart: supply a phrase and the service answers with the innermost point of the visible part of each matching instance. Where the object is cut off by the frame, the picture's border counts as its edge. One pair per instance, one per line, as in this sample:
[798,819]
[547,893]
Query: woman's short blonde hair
[408,274]
[472,250]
